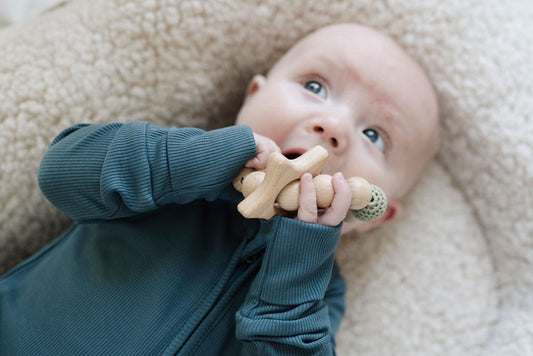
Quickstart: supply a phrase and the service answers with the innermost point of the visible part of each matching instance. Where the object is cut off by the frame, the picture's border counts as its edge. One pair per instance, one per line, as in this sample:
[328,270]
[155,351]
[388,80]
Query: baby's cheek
[348,227]
[352,225]
[276,131]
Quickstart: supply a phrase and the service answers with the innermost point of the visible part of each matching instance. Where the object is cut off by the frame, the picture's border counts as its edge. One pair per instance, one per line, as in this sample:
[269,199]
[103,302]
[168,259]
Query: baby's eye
[316,88]
[375,138]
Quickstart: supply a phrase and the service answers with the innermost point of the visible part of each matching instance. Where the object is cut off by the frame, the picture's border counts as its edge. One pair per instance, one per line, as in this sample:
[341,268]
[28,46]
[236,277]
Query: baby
[354,91]
[160,261]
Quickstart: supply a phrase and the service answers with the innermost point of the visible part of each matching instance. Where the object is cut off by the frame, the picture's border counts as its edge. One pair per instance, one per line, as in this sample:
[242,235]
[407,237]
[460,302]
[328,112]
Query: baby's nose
[333,133]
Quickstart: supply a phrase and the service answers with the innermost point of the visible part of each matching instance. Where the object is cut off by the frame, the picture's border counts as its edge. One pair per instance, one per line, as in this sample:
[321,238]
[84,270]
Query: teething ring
[275,190]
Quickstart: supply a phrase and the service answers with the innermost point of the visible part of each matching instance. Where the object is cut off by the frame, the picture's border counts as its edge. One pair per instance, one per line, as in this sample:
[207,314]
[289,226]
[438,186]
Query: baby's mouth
[294,153]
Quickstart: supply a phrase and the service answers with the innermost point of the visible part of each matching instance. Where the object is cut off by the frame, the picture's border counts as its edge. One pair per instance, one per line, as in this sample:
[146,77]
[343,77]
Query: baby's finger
[341,202]
[307,210]
[264,147]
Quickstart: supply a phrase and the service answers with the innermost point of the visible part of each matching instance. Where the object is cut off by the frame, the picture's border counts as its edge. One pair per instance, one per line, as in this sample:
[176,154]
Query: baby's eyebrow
[336,65]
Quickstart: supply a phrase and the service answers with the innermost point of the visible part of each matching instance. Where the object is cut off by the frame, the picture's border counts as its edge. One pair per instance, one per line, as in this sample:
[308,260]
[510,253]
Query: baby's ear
[256,83]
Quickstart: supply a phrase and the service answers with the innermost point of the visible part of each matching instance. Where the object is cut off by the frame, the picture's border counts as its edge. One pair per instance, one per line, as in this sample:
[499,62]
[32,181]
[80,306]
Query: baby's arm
[118,170]
[295,302]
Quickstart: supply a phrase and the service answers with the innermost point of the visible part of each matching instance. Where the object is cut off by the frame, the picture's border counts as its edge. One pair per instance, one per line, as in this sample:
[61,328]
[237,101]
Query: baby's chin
[352,225]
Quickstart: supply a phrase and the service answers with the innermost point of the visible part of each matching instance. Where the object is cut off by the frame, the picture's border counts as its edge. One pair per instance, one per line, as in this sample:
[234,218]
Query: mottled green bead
[375,209]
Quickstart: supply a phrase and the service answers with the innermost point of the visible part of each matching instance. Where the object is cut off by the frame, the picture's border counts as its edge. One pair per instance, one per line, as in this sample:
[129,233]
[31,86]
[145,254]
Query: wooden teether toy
[276,189]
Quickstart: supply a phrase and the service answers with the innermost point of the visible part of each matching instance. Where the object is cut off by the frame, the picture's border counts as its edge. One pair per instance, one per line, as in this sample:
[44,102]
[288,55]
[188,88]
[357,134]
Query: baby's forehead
[375,58]
[350,46]
[349,36]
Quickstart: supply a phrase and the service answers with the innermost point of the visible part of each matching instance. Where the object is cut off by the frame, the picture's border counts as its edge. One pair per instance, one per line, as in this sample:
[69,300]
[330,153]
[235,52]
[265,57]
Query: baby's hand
[264,147]
[308,211]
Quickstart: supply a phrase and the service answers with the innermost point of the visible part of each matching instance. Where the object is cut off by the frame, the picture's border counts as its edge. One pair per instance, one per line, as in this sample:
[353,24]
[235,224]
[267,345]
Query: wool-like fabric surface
[451,276]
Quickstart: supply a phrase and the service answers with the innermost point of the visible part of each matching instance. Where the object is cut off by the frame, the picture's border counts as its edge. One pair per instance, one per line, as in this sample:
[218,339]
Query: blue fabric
[159,261]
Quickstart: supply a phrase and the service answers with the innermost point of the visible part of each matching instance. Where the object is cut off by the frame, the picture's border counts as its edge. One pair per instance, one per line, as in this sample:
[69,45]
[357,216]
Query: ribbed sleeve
[287,311]
[297,263]
[93,172]
[204,170]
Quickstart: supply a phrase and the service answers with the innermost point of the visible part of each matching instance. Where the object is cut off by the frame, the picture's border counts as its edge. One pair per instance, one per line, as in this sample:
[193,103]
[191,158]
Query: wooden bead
[361,192]
[324,190]
[237,182]
[288,197]
[251,182]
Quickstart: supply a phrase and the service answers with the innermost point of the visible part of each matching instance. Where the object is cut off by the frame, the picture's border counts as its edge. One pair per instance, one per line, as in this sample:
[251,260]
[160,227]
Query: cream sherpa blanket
[453,276]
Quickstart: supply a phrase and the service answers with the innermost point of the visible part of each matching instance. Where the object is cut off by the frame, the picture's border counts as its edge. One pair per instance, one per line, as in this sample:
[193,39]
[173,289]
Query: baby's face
[356,93]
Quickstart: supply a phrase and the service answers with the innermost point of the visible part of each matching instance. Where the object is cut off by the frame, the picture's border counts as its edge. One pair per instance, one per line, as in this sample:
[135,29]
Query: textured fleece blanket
[452,276]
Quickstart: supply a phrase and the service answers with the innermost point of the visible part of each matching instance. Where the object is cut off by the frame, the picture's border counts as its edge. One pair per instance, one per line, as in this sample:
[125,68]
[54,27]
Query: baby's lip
[294,153]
